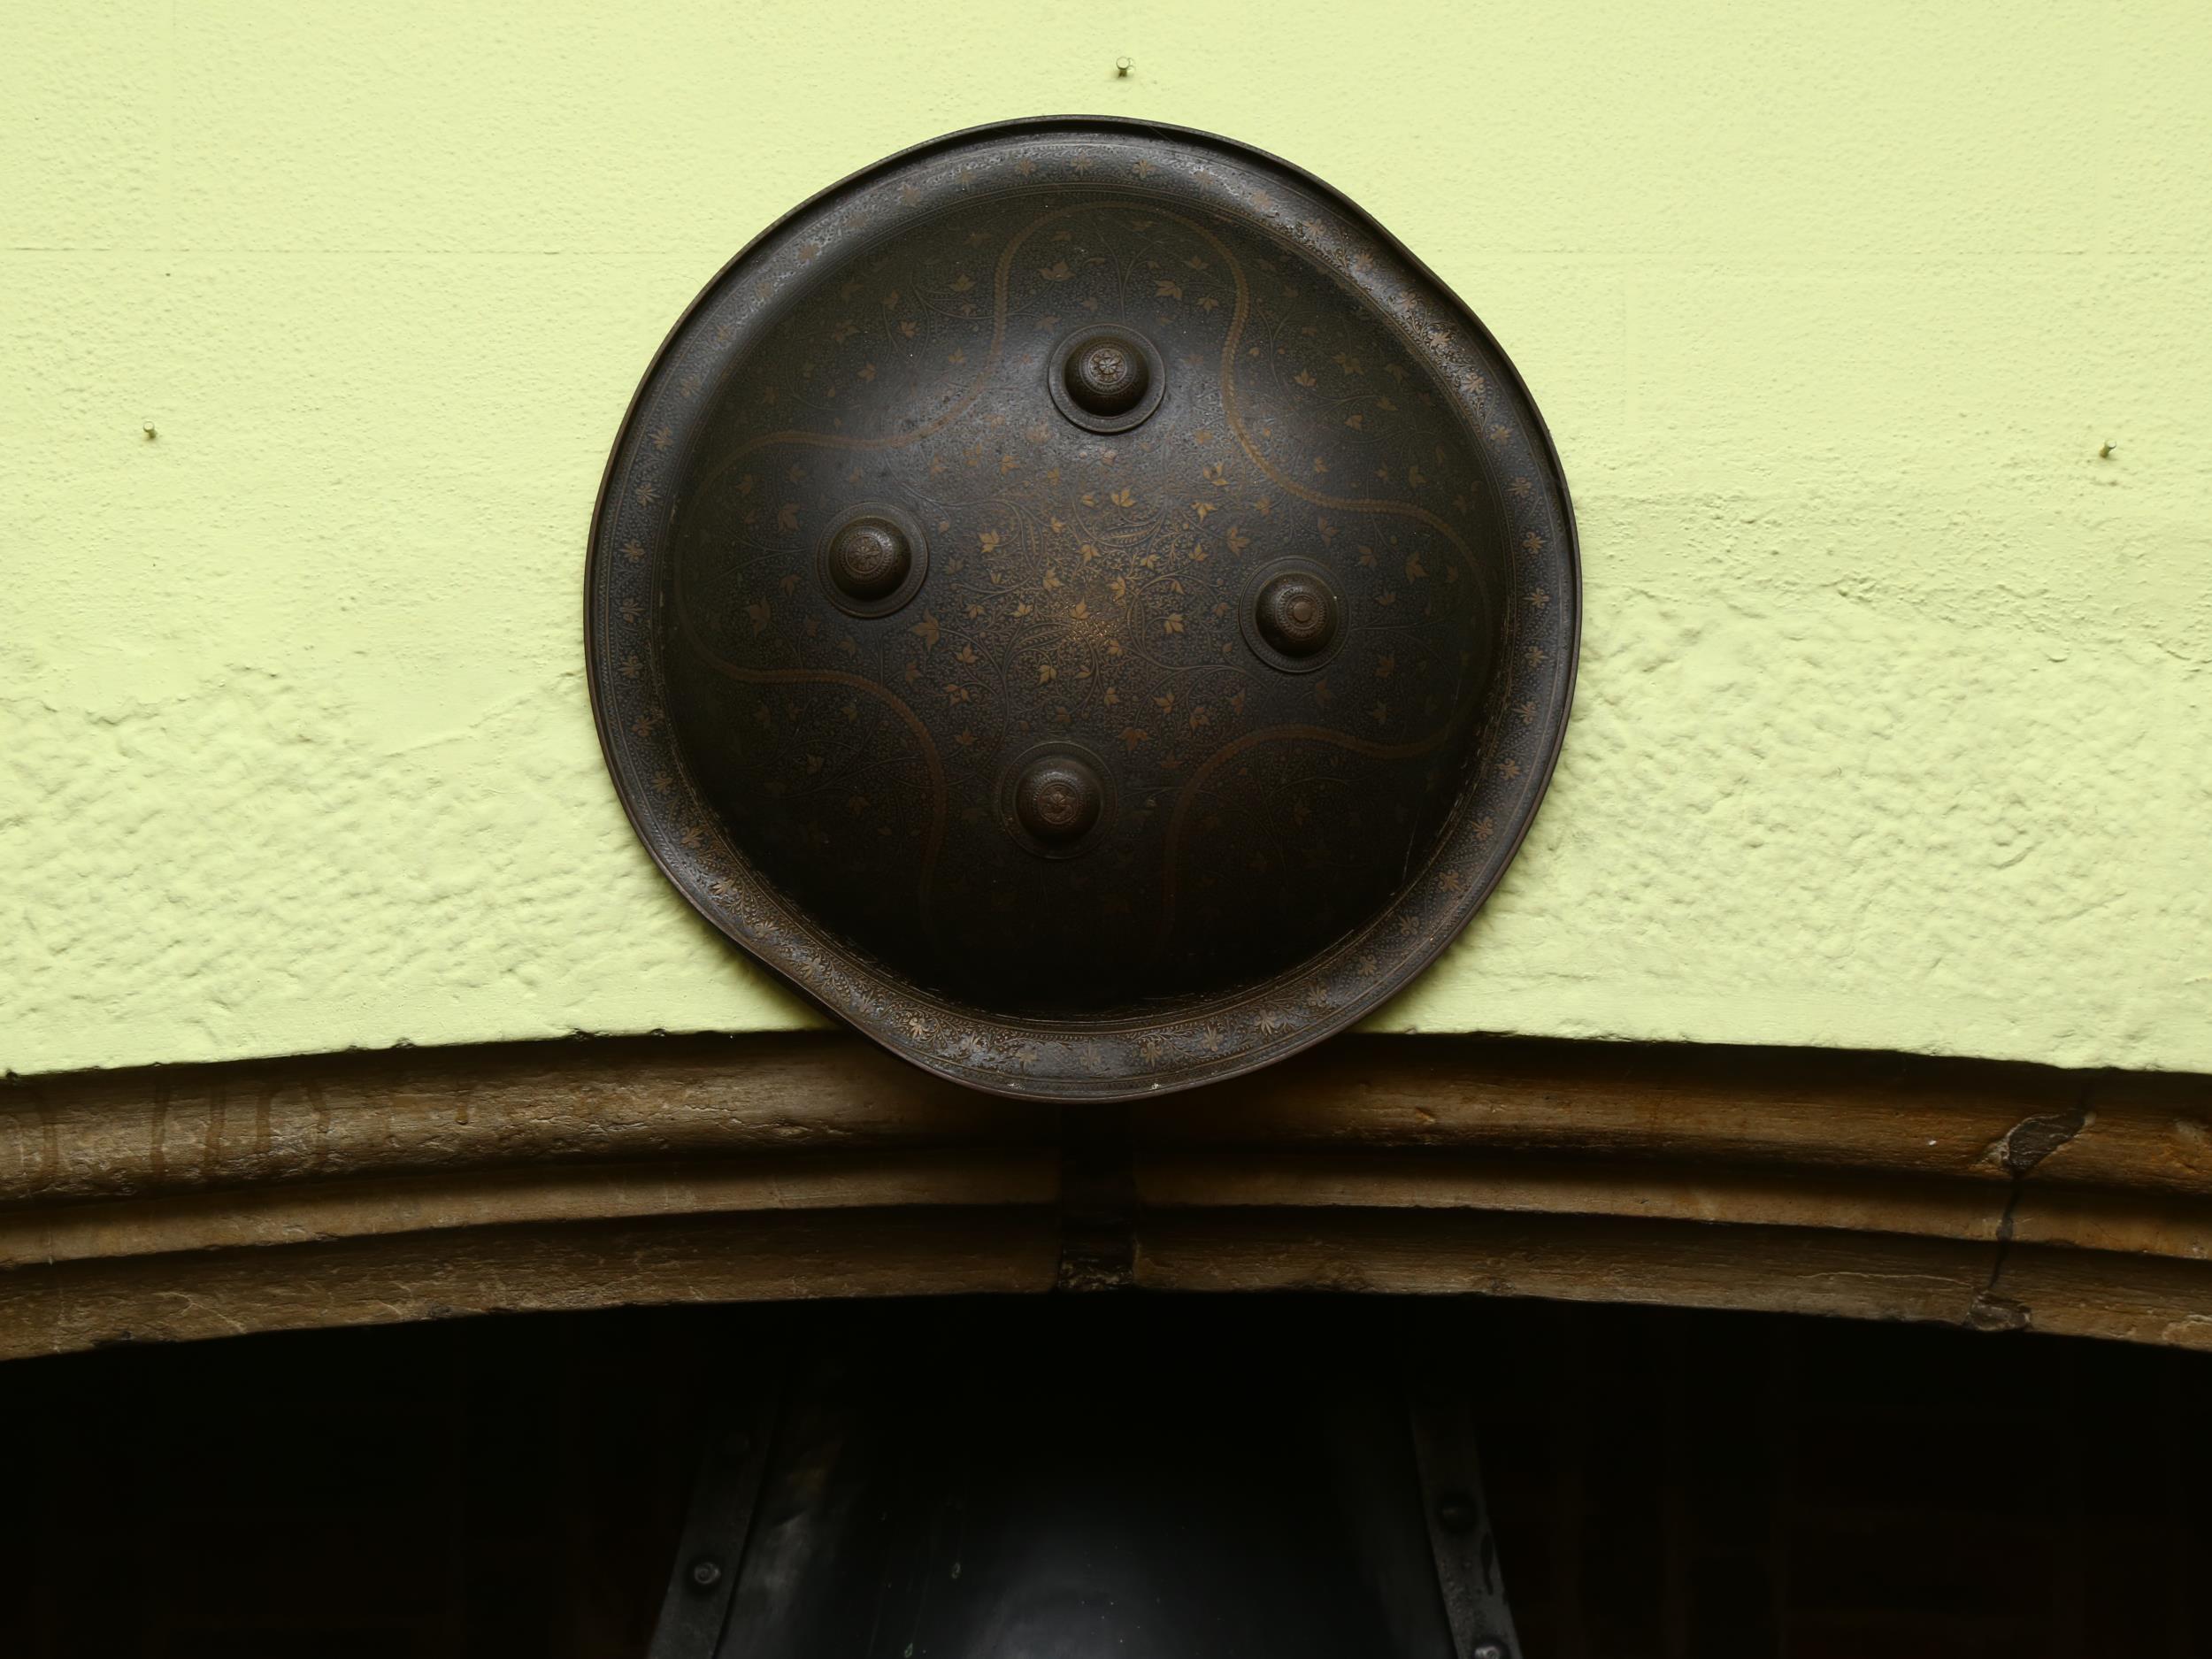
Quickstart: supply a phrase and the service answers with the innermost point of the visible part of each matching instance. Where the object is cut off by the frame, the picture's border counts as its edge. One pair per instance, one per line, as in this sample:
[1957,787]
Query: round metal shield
[1085,605]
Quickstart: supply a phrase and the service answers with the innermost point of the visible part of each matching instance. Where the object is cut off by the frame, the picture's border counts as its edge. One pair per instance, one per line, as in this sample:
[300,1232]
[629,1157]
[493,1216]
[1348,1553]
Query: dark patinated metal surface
[1100,1478]
[1085,605]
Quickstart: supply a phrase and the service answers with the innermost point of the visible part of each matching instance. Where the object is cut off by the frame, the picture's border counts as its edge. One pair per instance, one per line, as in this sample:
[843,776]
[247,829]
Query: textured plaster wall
[1894,725]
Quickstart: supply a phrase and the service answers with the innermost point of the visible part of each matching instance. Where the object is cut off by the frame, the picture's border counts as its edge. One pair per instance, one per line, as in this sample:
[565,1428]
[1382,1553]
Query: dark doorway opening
[1662,1482]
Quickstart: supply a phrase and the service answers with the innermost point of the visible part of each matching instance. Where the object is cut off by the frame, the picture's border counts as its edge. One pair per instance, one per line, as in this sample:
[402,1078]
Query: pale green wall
[1893,727]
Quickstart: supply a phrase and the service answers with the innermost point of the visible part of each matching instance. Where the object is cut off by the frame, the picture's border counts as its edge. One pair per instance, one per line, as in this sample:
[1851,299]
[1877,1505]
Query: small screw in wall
[705,1574]
[2104,451]
[1123,65]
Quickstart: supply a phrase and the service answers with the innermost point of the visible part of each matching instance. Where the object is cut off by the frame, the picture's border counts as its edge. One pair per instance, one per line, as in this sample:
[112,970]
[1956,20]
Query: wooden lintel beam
[188,1202]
